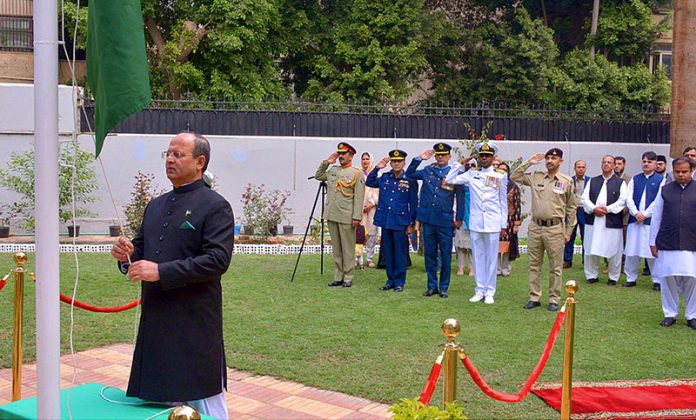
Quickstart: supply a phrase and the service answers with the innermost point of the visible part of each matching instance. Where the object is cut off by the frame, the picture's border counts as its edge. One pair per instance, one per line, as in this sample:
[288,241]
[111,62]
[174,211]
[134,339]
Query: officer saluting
[345,193]
[488,213]
[435,212]
[396,213]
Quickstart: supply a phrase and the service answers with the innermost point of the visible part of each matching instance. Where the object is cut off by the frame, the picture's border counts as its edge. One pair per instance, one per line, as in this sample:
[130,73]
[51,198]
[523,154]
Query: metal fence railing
[279,118]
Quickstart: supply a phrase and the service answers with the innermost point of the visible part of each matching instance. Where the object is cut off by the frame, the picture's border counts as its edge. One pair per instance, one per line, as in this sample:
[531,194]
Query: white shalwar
[601,241]
[676,269]
[638,237]
[488,214]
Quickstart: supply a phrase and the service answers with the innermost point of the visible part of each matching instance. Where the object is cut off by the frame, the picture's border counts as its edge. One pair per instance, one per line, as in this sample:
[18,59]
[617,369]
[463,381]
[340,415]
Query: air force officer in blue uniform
[396,213]
[436,213]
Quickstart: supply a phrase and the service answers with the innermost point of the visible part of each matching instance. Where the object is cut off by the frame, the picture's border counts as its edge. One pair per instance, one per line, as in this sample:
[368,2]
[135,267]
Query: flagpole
[46,212]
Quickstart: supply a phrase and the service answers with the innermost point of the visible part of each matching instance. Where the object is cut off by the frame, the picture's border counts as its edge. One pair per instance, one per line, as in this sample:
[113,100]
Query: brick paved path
[249,396]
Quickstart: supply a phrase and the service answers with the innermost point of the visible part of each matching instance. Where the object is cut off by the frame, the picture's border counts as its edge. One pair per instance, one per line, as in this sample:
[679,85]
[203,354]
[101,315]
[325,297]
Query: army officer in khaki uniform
[553,219]
[344,203]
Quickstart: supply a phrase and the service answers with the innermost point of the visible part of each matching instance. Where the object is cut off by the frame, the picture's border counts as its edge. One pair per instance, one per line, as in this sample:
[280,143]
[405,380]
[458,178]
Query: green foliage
[7,213]
[626,32]
[407,409]
[386,51]
[225,49]
[76,173]
[601,85]
[143,191]
[263,210]
[374,52]
[510,60]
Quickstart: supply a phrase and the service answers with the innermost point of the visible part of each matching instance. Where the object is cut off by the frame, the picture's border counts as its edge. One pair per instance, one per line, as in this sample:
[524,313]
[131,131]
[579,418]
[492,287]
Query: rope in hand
[93,308]
[431,383]
[538,369]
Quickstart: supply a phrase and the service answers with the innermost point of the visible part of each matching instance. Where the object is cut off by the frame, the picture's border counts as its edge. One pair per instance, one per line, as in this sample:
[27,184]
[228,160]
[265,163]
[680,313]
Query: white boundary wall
[277,162]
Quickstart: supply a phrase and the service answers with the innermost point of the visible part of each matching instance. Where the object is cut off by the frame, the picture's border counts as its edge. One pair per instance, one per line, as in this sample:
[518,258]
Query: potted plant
[263,211]
[77,180]
[7,213]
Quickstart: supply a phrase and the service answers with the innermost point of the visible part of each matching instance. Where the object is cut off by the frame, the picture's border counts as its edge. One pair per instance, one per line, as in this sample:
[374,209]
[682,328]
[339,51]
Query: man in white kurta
[644,185]
[487,216]
[673,243]
[601,240]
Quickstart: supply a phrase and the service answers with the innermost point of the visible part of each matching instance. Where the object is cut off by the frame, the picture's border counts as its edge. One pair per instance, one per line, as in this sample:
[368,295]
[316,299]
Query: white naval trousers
[484,246]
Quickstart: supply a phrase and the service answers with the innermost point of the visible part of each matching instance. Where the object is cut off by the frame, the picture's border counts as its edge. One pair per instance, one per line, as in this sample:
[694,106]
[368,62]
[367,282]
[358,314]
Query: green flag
[117,70]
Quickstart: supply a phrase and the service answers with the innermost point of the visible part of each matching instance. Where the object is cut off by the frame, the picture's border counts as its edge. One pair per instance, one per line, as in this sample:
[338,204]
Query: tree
[218,48]
[374,52]
[598,84]
[509,60]
[626,33]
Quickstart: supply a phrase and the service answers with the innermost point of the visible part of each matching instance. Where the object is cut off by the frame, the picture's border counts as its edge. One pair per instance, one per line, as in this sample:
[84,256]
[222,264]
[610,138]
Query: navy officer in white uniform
[487,217]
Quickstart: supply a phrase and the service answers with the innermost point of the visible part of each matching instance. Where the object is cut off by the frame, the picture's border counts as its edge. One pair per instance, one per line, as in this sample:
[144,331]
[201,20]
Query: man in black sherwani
[183,247]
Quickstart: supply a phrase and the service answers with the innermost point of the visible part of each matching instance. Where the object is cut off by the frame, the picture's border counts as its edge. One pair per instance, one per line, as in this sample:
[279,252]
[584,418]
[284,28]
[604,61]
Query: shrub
[143,191]
[262,210]
[415,410]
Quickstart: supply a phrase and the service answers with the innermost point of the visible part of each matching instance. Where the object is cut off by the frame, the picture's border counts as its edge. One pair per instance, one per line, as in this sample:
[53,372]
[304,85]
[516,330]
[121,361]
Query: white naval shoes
[489,300]
[476,298]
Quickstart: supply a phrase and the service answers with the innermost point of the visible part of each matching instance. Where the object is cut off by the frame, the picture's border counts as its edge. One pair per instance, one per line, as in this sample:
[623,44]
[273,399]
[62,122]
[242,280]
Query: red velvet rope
[92,308]
[541,364]
[431,383]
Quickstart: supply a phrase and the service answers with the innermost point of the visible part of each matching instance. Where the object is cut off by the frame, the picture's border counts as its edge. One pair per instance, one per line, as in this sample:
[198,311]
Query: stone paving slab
[249,397]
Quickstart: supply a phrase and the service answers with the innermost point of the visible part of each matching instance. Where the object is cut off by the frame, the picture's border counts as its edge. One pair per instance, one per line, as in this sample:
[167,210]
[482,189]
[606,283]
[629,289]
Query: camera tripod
[321,191]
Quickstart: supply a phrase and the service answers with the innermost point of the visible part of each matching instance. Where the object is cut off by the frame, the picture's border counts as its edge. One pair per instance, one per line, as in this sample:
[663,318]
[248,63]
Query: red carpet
[643,399]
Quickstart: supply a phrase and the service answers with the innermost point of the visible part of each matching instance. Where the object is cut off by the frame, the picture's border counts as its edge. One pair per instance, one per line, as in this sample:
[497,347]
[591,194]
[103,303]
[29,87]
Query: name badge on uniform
[559,187]
[493,181]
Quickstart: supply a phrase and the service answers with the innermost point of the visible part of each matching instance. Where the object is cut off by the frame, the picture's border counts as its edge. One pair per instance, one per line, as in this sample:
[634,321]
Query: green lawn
[381,345]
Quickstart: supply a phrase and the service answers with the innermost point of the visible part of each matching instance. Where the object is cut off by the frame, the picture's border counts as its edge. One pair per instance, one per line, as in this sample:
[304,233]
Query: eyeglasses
[176,155]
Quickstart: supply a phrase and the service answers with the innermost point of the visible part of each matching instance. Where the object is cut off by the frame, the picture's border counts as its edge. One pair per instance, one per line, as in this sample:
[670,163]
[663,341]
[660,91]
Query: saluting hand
[332,158]
[427,154]
[466,160]
[382,163]
[537,158]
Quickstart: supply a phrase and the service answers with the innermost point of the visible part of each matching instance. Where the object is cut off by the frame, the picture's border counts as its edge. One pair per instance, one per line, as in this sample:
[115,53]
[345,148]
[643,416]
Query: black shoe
[646,271]
[668,321]
[444,295]
[531,305]
[629,284]
[335,283]
[611,282]
[594,280]
[691,323]
[567,264]
[387,287]
[430,292]
[347,284]
[553,307]
[657,287]
[398,289]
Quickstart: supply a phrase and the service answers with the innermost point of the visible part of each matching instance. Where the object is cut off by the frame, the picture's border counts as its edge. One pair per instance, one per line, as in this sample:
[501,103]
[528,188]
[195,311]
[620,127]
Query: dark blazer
[436,204]
[398,200]
[179,353]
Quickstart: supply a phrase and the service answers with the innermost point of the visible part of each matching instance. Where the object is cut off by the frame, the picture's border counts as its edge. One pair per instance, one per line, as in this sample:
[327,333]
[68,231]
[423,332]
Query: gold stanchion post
[20,259]
[450,328]
[571,288]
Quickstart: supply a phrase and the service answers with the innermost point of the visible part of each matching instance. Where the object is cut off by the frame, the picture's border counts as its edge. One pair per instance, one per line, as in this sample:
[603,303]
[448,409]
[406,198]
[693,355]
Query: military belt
[548,223]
